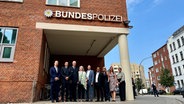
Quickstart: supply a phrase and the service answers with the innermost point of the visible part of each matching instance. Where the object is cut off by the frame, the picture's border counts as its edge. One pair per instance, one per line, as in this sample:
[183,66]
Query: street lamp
[140,71]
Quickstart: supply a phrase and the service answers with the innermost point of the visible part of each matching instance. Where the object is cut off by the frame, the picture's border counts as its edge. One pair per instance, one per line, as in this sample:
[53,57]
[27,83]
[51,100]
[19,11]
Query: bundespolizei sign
[84,16]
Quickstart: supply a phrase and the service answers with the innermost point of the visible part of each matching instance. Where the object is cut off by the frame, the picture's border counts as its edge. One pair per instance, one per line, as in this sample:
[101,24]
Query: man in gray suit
[90,83]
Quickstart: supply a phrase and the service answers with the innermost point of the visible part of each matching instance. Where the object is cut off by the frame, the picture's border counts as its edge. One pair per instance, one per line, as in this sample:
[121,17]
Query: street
[145,99]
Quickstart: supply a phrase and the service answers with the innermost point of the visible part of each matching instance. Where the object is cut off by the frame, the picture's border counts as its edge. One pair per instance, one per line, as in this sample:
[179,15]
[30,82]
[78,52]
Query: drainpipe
[33,90]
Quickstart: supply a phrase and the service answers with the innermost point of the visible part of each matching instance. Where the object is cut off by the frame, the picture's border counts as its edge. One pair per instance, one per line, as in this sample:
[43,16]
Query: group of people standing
[67,82]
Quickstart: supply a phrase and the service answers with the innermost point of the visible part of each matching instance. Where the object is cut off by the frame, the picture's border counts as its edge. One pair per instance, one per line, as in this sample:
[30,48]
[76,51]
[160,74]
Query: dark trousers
[155,92]
[54,92]
[65,88]
[99,92]
[81,91]
[73,87]
[89,92]
[122,91]
[106,91]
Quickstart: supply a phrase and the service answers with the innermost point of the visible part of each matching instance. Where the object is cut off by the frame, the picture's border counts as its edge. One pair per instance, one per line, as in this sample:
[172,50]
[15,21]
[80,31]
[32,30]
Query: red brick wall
[166,63]
[16,78]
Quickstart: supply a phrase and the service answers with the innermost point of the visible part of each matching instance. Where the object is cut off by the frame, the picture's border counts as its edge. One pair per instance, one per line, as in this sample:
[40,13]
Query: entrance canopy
[64,39]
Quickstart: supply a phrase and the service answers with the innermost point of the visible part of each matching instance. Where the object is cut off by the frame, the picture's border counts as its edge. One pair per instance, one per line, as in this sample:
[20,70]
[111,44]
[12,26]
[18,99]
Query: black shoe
[87,100]
[52,101]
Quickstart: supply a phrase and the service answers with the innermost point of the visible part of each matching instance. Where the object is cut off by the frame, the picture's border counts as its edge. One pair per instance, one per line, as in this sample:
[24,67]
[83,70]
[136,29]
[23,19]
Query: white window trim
[12,0]
[8,45]
[68,4]
[11,55]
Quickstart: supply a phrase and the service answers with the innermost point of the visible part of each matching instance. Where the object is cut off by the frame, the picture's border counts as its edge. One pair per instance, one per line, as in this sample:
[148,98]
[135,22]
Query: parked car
[177,91]
[161,92]
[150,92]
[182,91]
[143,91]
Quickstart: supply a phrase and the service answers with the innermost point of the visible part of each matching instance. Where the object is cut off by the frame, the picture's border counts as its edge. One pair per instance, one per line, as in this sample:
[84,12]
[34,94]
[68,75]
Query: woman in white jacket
[82,85]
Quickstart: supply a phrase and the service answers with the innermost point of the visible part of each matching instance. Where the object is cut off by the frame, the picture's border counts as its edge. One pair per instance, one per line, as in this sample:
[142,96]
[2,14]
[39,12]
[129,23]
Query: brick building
[160,60]
[34,33]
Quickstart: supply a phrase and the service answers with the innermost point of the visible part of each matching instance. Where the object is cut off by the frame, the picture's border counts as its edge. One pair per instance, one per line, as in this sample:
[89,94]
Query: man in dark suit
[73,81]
[98,84]
[54,79]
[155,92]
[65,75]
[90,84]
[105,84]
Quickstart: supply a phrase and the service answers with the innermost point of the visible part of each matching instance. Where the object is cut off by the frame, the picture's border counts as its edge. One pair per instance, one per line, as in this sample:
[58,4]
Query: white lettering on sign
[83,16]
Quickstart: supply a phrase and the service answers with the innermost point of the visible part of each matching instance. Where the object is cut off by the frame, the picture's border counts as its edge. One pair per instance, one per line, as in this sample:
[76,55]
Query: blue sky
[153,21]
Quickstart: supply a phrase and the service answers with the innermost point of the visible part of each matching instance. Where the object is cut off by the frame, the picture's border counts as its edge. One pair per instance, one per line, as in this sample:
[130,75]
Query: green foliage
[139,84]
[166,78]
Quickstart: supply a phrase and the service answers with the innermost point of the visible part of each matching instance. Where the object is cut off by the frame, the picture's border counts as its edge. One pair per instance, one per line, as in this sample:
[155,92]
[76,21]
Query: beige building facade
[137,71]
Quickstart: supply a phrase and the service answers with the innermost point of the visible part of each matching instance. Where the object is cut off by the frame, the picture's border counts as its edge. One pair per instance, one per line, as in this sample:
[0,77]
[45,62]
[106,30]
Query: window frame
[3,45]
[182,40]
[181,55]
[174,45]
[18,1]
[176,71]
[179,44]
[68,4]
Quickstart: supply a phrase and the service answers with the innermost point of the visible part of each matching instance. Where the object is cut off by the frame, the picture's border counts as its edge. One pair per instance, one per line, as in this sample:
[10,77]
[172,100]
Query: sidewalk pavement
[145,99]
[177,97]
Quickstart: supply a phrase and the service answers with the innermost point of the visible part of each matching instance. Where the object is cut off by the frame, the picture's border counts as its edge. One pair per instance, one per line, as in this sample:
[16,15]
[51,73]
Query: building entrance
[86,45]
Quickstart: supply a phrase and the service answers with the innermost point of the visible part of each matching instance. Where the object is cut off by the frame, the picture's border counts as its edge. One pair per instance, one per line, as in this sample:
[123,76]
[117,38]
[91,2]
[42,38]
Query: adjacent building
[35,33]
[175,45]
[161,61]
[137,71]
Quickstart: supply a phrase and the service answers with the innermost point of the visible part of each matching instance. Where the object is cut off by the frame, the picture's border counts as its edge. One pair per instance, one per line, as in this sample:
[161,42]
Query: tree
[166,78]
[139,84]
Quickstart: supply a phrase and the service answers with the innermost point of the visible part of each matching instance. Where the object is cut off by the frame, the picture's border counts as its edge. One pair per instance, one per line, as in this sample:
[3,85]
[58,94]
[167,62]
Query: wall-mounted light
[130,27]
[126,22]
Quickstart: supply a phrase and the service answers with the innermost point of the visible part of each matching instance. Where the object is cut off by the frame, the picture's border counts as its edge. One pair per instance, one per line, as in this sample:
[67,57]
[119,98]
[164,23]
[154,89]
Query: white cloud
[133,2]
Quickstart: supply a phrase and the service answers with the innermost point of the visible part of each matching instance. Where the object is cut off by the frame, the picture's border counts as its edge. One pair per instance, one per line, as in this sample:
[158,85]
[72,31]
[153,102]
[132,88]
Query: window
[154,55]
[174,46]
[157,53]
[182,39]
[181,54]
[155,62]
[178,41]
[158,77]
[182,83]
[176,58]
[157,70]
[176,72]
[71,3]
[179,70]
[178,84]
[173,59]
[8,38]
[13,0]
[153,69]
[164,49]
[171,47]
